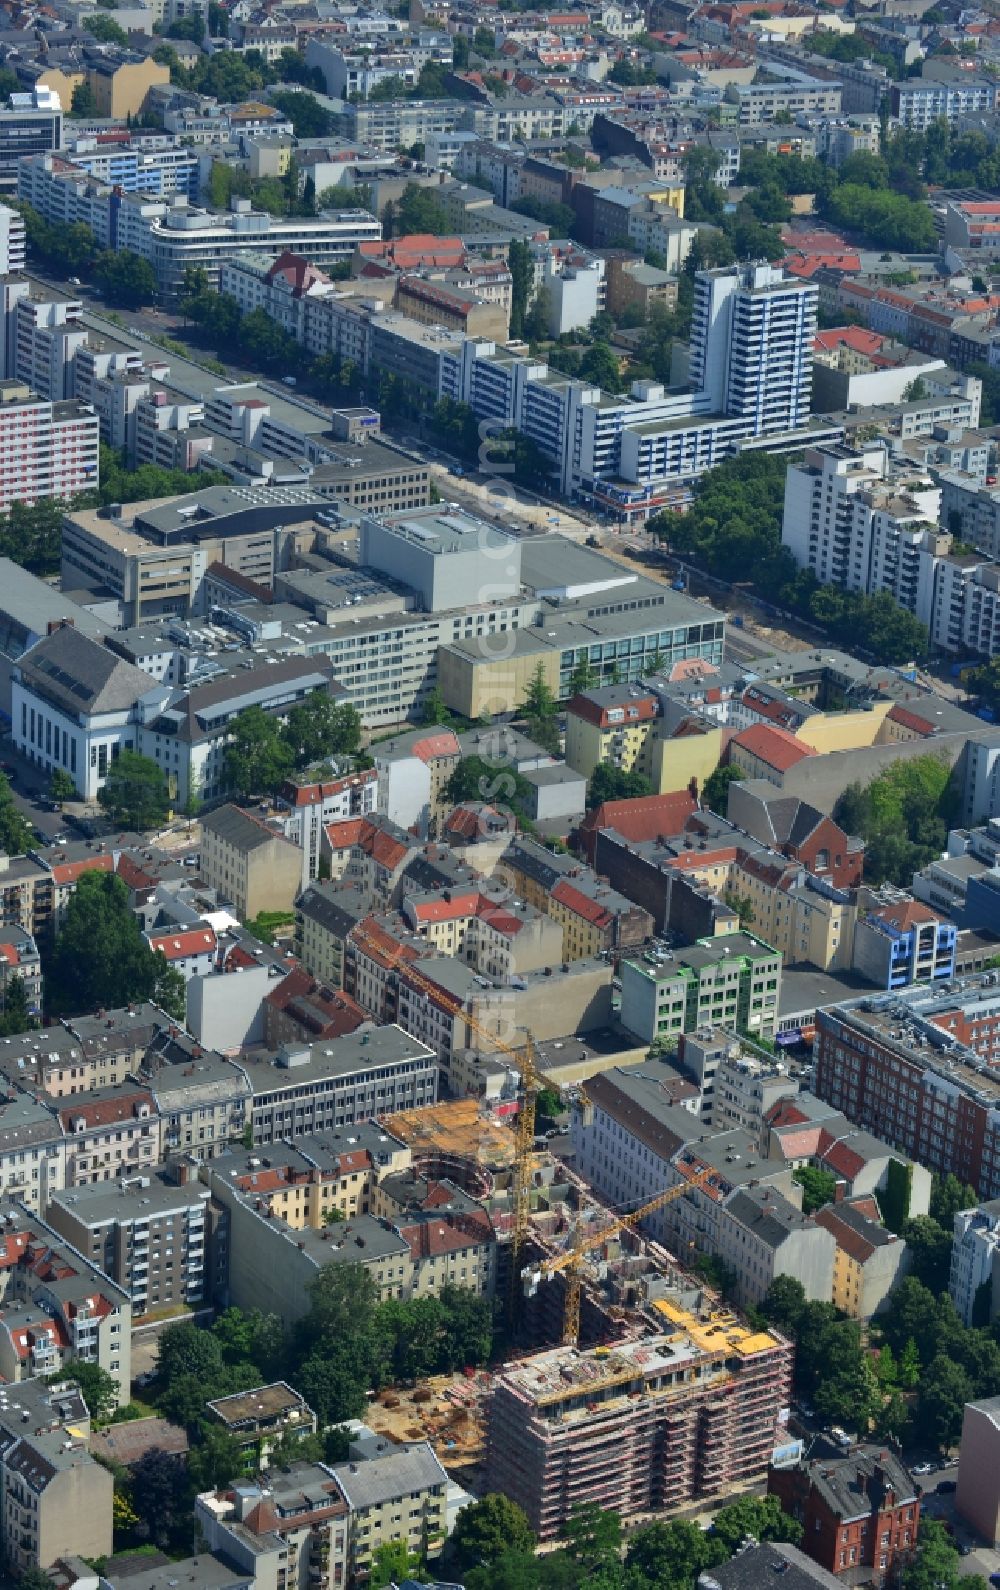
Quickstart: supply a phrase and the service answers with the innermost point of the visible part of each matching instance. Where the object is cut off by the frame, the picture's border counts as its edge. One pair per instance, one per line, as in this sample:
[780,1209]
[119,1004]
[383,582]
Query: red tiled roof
[907,914]
[105,1112]
[910,720]
[66,872]
[443,744]
[175,946]
[646,817]
[775,747]
[575,900]
[345,833]
[444,909]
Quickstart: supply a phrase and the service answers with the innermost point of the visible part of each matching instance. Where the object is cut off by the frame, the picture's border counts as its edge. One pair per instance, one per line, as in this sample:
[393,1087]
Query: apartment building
[146,1235]
[258,1419]
[55,1305]
[631,1142]
[903,942]
[13,242]
[249,863]
[322,1087]
[641,1427]
[47,449]
[400,1494]
[973,1252]
[733,980]
[57,1499]
[326,913]
[869,1262]
[920,101]
[307,803]
[301,1183]
[781,93]
[47,334]
[110,1132]
[860,1513]
[594,917]
[918,1068]
[291,1532]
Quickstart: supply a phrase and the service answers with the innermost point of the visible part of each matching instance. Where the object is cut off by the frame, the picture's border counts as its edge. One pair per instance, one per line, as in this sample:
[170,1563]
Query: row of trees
[262,752]
[260,341]
[733,529]
[903,816]
[125,278]
[492,1547]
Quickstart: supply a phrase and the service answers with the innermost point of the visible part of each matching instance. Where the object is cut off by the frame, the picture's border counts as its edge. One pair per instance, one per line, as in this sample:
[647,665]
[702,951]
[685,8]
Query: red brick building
[860,1514]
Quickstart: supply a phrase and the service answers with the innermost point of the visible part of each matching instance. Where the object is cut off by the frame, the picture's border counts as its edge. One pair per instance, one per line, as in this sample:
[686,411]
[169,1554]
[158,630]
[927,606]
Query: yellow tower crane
[532,1080]
[571,1261]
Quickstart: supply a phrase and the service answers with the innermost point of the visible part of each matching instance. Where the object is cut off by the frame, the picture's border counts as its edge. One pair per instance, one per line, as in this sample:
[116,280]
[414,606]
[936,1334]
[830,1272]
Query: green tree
[15,1015]
[392,1562]
[106,30]
[935,1563]
[610,783]
[83,102]
[593,1538]
[930,1249]
[191,27]
[945,1388]
[35,1579]
[486,1530]
[134,794]
[434,711]
[583,677]
[162,1496]
[184,1349]
[420,211]
[125,278]
[99,959]
[475,779]
[819,1187]
[467,1336]
[948,1197]
[539,700]
[521,270]
[761,1517]
[321,726]
[216,1459]
[784,1303]
[16,835]
[61,786]
[169,988]
[671,1555]
[257,758]
[715,794]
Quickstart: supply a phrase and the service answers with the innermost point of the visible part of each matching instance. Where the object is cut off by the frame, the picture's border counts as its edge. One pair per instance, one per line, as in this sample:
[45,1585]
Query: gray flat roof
[105,1202]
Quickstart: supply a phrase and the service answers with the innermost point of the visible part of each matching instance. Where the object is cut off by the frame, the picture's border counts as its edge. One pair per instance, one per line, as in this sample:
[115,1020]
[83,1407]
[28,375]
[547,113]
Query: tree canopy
[903,817]
[134,794]
[99,959]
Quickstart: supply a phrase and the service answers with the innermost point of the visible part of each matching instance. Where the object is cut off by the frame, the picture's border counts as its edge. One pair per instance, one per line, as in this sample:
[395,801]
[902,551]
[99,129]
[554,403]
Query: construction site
[688,1414]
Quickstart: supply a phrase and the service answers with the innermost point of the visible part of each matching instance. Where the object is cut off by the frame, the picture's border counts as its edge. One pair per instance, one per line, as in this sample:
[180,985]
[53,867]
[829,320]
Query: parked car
[922,1468]
[944,1487]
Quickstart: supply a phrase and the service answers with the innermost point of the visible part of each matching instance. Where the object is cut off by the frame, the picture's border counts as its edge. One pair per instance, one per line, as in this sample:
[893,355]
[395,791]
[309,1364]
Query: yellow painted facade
[845,731]
[672,764]
[122,93]
[847,1284]
[489,684]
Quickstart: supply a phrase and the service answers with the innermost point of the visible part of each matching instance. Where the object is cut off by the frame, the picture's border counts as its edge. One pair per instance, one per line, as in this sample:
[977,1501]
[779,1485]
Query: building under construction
[642,1426]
